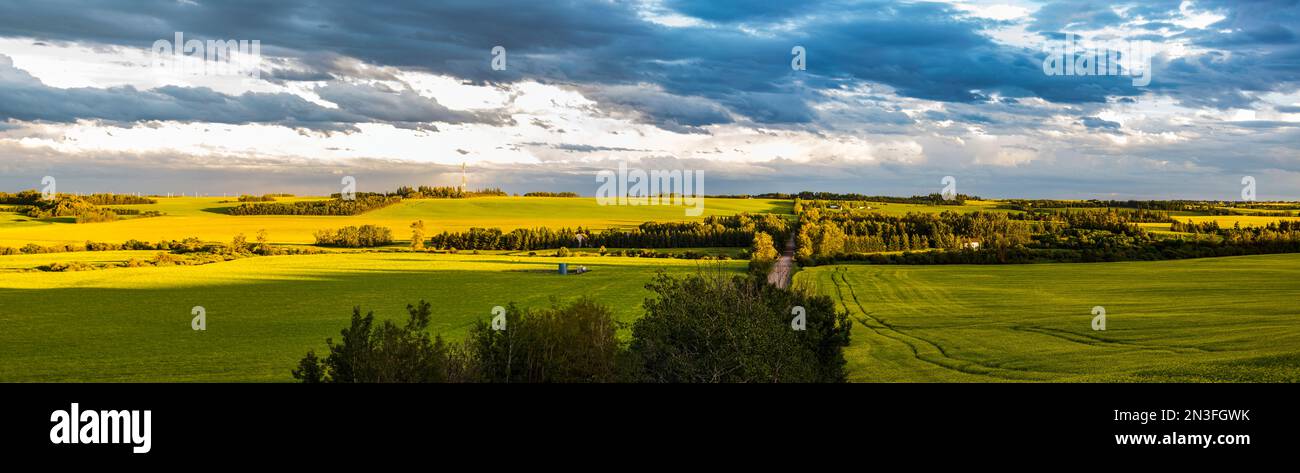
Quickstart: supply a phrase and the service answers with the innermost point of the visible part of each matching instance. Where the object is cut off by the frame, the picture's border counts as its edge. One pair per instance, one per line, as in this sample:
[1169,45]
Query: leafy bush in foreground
[712,329]
[701,328]
[383,353]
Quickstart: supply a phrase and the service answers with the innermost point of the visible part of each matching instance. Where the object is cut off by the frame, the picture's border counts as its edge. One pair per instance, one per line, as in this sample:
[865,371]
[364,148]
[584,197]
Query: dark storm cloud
[1056,16]
[734,69]
[1255,49]
[923,50]
[968,117]
[741,10]
[664,109]
[281,75]
[392,106]
[583,148]
[1096,123]
[26,98]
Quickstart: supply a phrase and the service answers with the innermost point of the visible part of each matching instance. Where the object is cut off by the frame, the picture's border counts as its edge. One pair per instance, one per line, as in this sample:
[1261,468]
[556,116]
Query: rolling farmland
[133,324]
[204,217]
[1216,319]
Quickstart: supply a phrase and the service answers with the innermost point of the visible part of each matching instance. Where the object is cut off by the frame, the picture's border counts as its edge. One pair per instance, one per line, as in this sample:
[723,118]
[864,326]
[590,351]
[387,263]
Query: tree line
[27,197]
[32,197]
[355,236]
[1106,249]
[714,231]
[84,209]
[1061,235]
[337,206]
[929,199]
[66,205]
[117,199]
[186,252]
[825,237]
[1207,207]
[256,198]
[445,192]
[702,328]
[361,203]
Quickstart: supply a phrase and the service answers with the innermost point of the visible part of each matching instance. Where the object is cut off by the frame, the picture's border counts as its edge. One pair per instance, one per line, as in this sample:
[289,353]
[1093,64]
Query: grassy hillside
[203,217]
[1222,319]
[1219,319]
[263,313]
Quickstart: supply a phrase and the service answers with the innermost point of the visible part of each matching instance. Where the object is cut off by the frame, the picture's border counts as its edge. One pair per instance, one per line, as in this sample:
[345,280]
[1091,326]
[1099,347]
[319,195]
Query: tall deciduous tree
[763,253]
[417,235]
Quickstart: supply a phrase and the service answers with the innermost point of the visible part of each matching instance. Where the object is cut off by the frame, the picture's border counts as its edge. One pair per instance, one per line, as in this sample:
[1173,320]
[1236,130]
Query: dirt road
[784,267]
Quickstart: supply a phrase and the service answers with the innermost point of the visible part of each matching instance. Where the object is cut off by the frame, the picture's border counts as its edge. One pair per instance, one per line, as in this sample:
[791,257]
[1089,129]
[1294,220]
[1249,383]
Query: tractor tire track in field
[916,344]
[1101,342]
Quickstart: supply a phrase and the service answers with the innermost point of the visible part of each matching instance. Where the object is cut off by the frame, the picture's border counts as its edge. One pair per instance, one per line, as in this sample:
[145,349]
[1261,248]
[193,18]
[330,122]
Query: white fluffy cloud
[98,109]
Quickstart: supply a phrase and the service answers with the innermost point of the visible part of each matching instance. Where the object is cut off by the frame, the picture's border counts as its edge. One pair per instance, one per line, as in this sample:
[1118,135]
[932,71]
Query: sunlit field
[1219,319]
[132,324]
[204,217]
[263,313]
[1214,319]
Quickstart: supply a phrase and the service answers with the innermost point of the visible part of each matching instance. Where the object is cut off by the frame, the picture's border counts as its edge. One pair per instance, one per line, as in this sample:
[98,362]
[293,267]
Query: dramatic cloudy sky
[896,95]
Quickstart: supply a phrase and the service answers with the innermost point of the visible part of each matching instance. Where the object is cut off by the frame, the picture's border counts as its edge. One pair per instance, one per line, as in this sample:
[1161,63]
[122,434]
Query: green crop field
[1217,319]
[204,217]
[132,324]
[263,313]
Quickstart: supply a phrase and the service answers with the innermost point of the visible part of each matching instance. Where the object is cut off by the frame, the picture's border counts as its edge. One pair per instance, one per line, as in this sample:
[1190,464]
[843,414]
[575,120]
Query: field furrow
[1166,320]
